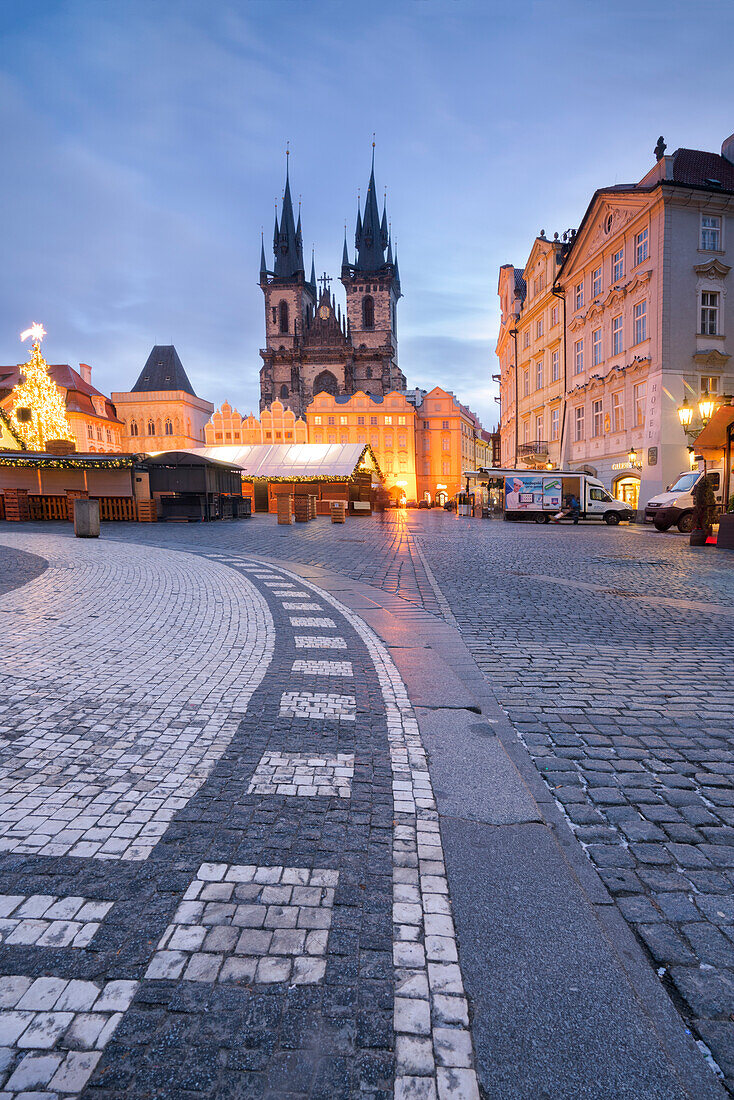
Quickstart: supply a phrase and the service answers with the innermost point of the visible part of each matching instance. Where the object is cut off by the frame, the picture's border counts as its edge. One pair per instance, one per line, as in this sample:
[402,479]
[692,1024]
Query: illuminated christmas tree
[38,411]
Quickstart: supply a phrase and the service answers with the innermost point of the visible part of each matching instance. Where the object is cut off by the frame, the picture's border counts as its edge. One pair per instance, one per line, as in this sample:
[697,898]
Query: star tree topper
[36,333]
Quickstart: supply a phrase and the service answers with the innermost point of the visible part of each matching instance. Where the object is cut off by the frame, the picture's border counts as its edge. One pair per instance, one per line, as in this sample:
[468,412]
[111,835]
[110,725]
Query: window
[368,312]
[578,423]
[90,431]
[426,425]
[151,428]
[283,315]
[641,247]
[343,438]
[597,419]
[331,437]
[402,442]
[426,443]
[539,328]
[539,374]
[578,296]
[330,420]
[445,467]
[538,428]
[555,418]
[554,316]
[526,431]
[710,233]
[445,425]
[402,465]
[388,464]
[283,392]
[360,421]
[578,357]
[617,346]
[133,427]
[596,347]
[639,318]
[361,439]
[109,435]
[401,420]
[388,420]
[343,419]
[618,265]
[596,282]
[709,313]
[538,284]
[168,427]
[388,442]
[99,434]
[526,338]
[373,421]
[525,383]
[710,384]
[555,366]
[317,420]
[446,444]
[617,412]
[640,395]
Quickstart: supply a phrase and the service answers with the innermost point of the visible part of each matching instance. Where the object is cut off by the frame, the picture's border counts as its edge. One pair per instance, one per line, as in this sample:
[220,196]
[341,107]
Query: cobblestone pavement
[221,872]
[612,652]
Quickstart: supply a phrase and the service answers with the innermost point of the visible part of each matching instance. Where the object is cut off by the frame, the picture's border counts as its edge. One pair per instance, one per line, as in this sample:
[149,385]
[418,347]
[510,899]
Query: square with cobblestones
[46,920]
[304,775]
[257,924]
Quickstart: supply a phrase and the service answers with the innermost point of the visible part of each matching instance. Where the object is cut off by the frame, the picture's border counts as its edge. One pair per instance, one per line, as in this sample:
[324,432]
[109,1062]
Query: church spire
[345,252]
[312,280]
[263,264]
[371,238]
[288,248]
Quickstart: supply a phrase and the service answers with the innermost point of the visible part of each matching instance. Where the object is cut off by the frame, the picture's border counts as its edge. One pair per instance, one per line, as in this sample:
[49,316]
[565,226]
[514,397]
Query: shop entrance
[627,488]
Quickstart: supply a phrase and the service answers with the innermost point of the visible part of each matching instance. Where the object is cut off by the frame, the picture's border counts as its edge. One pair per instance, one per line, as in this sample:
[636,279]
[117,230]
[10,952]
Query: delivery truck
[541,495]
[675,506]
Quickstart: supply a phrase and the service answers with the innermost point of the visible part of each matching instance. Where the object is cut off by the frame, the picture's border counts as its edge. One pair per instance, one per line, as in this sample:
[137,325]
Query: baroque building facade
[310,345]
[161,412]
[276,425]
[644,286]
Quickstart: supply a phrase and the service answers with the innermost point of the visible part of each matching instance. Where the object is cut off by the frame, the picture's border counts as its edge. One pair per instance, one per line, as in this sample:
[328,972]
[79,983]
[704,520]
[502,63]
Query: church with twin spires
[310,345]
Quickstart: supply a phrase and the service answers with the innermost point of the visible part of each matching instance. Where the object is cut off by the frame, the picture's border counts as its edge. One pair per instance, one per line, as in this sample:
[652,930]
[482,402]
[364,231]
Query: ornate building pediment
[711,357]
[712,269]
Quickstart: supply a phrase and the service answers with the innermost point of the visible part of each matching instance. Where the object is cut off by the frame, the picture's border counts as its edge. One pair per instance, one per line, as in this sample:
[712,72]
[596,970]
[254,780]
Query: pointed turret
[288,250]
[312,279]
[345,252]
[263,264]
[384,235]
[395,265]
[371,238]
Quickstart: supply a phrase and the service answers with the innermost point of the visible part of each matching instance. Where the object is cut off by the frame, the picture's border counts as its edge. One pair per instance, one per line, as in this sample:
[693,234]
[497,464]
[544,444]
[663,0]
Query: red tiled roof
[697,168]
[78,392]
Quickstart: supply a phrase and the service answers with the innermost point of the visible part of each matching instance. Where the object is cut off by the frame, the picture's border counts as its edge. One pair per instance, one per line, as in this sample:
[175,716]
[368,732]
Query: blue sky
[143,148]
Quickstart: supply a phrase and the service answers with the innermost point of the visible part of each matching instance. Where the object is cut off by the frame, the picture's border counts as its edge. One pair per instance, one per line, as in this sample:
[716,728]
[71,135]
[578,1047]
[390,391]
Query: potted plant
[704,511]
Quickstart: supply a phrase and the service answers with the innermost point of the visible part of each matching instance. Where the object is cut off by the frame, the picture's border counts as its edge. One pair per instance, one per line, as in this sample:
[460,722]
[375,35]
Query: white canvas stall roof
[286,460]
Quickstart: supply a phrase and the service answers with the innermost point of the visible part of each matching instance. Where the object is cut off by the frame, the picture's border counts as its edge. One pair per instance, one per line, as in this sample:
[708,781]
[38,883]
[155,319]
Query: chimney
[86,372]
[727,149]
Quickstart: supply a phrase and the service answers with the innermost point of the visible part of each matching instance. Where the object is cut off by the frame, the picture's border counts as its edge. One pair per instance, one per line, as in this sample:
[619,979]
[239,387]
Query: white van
[676,505]
[540,495]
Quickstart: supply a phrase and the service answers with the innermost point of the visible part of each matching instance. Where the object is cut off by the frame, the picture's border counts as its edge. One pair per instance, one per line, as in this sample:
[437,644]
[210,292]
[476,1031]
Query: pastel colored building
[644,281]
[92,417]
[386,423]
[445,444]
[161,412]
[277,424]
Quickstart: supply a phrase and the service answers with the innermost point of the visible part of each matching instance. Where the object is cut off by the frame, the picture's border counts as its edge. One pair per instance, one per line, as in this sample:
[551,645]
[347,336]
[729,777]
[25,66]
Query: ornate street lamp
[549,465]
[632,457]
[685,414]
[706,407]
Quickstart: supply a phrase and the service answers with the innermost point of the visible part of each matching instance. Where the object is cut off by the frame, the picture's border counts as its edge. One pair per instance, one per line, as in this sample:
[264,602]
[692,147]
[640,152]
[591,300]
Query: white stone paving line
[248,923]
[316,641]
[433,1045]
[53,1032]
[115,712]
[323,668]
[303,606]
[306,775]
[320,705]
[46,920]
[329,624]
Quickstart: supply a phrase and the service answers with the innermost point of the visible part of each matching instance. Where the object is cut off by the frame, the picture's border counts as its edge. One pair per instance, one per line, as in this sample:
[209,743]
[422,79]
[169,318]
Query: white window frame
[526,338]
[578,295]
[596,285]
[526,383]
[618,411]
[555,366]
[555,422]
[538,328]
[716,232]
[596,355]
[578,357]
[709,313]
[639,394]
[618,335]
[641,246]
[578,423]
[639,321]
[538,427]
[554,316]
[597,418]
[539,374]
[618,265]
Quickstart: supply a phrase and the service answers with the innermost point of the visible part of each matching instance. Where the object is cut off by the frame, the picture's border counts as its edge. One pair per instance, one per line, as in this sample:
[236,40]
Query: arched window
[133,427]
[368,312]
[151,428]
[90,431]
[169,426]
[283,316]
[283,392]
[325,383]
[369,372]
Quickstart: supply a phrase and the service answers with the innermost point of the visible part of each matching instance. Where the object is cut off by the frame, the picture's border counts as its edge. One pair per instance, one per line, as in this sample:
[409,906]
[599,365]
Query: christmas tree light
[38,410]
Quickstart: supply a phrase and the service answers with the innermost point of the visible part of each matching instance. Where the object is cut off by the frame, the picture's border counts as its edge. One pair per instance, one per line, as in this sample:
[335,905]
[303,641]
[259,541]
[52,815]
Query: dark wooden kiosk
[188,486]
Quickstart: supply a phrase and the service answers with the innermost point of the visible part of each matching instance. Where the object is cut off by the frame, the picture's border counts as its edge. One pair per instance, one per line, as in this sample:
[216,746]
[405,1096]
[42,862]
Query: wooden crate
[338,511]
[16,505]
[147,511]
[285,507]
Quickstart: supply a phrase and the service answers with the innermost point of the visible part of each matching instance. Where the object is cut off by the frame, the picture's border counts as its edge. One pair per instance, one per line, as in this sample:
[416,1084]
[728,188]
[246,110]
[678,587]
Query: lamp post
[685,415]
[633,460]
[706,407]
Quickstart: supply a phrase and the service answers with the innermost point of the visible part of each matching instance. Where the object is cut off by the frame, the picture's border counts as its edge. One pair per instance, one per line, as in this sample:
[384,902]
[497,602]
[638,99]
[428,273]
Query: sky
[144,150]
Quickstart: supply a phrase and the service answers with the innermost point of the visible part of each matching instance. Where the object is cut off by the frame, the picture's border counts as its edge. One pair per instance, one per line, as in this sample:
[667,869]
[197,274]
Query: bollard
[86,519]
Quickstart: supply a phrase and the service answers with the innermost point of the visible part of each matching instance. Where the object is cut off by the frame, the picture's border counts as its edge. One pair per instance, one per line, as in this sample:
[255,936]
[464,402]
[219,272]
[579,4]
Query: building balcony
[535,453]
